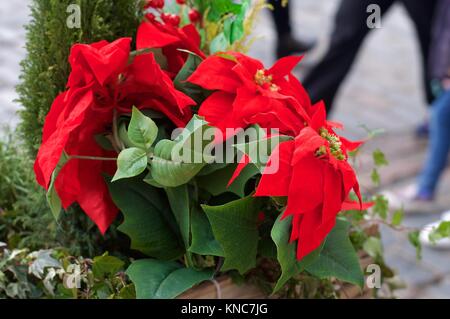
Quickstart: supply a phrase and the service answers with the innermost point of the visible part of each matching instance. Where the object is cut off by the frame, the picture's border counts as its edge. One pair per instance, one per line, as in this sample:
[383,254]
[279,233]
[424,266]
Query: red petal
[284,66]
[215,73]
[277,175]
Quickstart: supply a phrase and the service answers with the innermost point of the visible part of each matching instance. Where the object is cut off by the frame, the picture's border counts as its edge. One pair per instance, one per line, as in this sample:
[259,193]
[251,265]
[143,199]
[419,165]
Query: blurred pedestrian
[420,198]
[350,30]
[287,44]
[439,145]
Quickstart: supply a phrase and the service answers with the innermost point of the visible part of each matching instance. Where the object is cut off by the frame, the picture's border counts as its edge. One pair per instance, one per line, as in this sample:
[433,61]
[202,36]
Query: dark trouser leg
[282,18]
[421,13]
[349,33]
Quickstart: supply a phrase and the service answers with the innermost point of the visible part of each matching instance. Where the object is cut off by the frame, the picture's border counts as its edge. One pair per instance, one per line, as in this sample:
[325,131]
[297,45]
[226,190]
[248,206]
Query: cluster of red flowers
[106,80]
[313,171]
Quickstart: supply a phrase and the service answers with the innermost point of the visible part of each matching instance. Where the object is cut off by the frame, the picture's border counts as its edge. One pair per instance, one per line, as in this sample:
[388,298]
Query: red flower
[170,38]
[101,82]
[246,93]
[316,178]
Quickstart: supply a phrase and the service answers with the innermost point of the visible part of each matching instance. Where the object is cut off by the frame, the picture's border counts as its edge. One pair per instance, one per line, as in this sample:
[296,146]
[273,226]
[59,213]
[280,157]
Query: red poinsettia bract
[170,39]
[102,82]
[245,93]
[315,177]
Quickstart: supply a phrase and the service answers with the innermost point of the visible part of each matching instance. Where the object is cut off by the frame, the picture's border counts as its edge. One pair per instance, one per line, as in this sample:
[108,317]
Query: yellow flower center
[334,143]
[262,80]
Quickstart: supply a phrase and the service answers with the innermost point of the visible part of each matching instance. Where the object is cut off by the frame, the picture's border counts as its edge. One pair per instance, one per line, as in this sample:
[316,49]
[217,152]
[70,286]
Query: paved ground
[383,91]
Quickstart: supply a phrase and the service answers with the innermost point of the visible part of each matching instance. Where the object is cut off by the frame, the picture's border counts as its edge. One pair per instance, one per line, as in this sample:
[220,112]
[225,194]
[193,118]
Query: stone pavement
[383,91]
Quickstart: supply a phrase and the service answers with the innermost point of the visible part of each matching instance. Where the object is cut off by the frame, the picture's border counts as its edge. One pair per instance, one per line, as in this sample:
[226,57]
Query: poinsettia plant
[215,161]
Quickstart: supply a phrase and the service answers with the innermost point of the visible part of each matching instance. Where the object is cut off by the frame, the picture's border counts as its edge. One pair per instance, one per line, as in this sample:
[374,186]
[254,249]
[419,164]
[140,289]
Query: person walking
[287,44]
[439,145]
[350,30]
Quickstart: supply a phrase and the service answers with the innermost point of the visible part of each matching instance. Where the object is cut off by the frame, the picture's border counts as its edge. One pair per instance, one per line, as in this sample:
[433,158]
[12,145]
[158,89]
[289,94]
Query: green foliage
[414,239]
[338,258]
[45,70]
[287,253]
[47,273]
[235,227]
[148,220]
[155,279]
[440,232]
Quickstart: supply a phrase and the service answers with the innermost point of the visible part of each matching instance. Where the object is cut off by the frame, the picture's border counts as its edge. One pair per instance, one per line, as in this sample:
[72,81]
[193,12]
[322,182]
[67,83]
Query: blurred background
[383,91]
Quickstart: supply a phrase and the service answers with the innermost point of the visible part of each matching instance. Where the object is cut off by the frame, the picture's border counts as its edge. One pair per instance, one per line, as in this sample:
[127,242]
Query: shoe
[424,236]
[411,201]
[288,45]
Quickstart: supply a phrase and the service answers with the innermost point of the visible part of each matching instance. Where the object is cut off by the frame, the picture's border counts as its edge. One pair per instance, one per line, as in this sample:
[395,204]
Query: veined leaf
[148,220]
[130,163]
[338,258]
[156,279]
[287,252]
[235,227]
[142,131]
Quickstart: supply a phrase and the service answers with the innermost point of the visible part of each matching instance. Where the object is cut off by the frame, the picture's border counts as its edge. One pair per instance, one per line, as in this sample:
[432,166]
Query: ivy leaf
[375,176]
[130,163]
[414,240]
[373,247]
[379,158]
[106,265]
[381,206]
[440,232]
[148,220]
[287,252]
[397,217]
[338,258]
[142,131]
[52,196]
[156,279]
[203,241]
[235,227]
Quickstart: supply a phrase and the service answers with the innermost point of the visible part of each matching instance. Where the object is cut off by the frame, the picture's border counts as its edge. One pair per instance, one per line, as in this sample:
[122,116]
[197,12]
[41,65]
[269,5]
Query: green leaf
[106,265]
[375,176]
[373,247]
[194,91]
[381,206]
[216,183]
[235,227]
[219,8]
[53,199]
[440,232]
[414,239]
[338,258]
[260,148]
[142,131]
[179,202]
[219,43]
[203,241]
[155,279]
[130,163]
[287,252]
[170,173]
[397,217]
[379,158]
[176,162]
[148,220]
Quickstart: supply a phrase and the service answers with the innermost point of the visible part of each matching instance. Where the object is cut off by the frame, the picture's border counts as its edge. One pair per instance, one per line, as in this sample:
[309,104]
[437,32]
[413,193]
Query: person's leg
[421,13]
[286,43]
[350,30]
[439,147]
[281,17]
